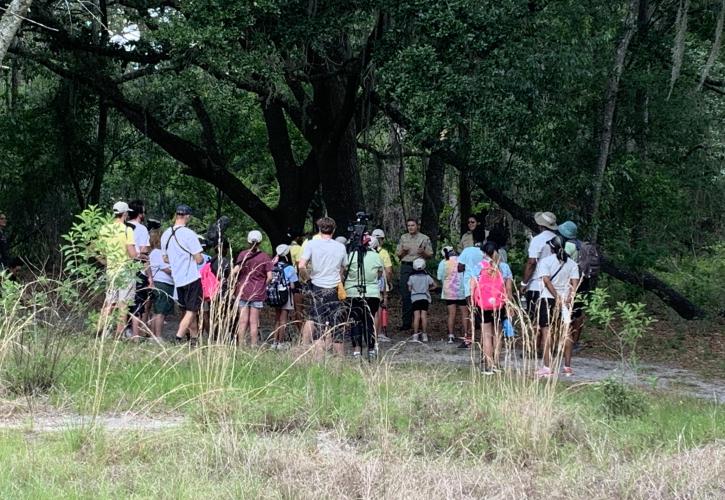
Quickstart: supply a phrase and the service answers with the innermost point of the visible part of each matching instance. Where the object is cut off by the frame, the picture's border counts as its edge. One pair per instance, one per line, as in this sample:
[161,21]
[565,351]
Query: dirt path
[62,422]
[586,369]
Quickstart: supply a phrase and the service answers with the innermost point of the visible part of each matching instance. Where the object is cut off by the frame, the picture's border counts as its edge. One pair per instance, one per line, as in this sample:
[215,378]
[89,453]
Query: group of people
[336,289]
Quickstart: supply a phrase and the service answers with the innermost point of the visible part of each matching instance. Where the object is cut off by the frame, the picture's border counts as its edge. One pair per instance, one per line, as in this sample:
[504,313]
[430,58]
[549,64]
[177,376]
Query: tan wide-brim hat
[546,219]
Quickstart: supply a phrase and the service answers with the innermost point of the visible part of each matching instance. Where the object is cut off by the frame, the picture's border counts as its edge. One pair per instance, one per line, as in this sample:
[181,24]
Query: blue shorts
[256,304]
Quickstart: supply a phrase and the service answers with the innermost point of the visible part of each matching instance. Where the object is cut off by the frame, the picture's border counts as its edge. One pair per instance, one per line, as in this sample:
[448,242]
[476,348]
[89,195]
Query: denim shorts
[256,304]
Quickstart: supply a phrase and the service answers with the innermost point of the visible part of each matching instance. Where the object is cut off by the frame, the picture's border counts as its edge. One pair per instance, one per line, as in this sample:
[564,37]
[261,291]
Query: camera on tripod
[357,232]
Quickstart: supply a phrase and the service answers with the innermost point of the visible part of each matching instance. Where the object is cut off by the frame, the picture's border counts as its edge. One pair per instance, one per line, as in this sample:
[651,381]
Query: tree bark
[10,23]
[432,198]
[610,105]
[337,156]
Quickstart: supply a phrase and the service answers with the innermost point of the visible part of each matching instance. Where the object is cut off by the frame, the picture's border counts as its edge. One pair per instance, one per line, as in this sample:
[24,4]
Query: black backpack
[590,259]
[278,289]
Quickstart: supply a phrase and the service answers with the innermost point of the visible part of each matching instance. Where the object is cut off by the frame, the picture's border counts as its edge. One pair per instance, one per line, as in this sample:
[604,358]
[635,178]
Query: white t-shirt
[562,281]
[157,264]
[327,258]
[140,235]
[180,249]
[538,249]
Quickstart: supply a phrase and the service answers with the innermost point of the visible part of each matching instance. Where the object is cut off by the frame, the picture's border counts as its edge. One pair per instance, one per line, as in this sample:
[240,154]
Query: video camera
[215,233]
[357,232]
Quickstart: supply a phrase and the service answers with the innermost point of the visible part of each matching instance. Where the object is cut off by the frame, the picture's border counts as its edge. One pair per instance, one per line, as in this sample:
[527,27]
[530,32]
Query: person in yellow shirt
[379,235]
[118,249]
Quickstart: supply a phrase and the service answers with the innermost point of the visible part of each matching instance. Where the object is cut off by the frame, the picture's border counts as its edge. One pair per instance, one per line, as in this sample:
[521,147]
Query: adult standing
[254,271]
[144,278]
[412,245]
[472,236]
[538,250]
[182,251]
[4,243]
[118,251]
[363,290]
[379,235]
[328,259]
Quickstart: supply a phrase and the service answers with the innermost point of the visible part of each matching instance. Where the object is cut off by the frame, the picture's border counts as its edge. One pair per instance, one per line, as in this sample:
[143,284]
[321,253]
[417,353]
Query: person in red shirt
[253,269]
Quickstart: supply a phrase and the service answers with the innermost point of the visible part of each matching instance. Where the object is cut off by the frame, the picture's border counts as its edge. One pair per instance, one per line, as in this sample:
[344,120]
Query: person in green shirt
[362,285]
[118,249]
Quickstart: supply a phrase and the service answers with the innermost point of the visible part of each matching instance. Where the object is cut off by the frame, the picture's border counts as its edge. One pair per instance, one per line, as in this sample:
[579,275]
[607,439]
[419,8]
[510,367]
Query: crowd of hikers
[329,291]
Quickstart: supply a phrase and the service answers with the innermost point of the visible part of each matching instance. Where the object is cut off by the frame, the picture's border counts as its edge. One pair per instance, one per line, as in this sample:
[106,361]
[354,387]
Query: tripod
[363,309]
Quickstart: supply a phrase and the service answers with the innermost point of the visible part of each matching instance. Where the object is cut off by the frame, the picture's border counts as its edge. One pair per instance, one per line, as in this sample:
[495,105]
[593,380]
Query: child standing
[452,291]
[286,276]
[420,284]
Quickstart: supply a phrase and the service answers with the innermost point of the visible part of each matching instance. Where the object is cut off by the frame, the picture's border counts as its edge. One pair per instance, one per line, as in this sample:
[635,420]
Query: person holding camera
[365,268]
[412,245]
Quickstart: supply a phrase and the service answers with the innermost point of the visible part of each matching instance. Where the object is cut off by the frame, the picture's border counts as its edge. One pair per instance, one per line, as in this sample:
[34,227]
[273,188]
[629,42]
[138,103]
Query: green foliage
[699,277]
[625,322]
[620,400]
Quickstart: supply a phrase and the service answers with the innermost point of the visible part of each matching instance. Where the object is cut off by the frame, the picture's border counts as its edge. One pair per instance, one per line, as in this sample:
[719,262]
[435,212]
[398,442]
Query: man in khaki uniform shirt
[412,245]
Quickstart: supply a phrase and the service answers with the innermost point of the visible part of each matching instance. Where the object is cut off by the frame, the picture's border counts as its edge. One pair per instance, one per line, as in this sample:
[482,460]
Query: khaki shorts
[124,293]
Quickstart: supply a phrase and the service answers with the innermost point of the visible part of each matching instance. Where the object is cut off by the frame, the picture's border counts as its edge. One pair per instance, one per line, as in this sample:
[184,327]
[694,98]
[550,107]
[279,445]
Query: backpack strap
[557,271]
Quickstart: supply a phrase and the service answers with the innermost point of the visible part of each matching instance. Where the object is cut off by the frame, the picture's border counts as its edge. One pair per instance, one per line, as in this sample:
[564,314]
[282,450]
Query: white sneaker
[414,337]
[424,337]
[384,338]
[451,339]
[356,355]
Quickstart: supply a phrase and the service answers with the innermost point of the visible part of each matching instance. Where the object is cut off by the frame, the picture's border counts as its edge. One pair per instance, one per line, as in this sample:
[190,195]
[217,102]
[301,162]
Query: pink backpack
[490,291]
[209,282]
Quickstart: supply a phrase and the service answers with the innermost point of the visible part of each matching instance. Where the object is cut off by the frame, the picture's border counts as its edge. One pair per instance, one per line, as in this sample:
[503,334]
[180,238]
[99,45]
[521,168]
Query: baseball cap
[418,264]
[120,207]
[254,236]
[282,250]
[378,233]
[183,209]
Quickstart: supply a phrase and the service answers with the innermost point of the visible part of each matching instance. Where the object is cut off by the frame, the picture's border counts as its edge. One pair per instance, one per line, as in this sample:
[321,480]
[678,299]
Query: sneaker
[424,337]
[356,355]
[384,338]
[496,369]
[451,338]
[568,371]
[487,371]
[275,346]
[372,354]
[415,337]
[464,345]
[543,372]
